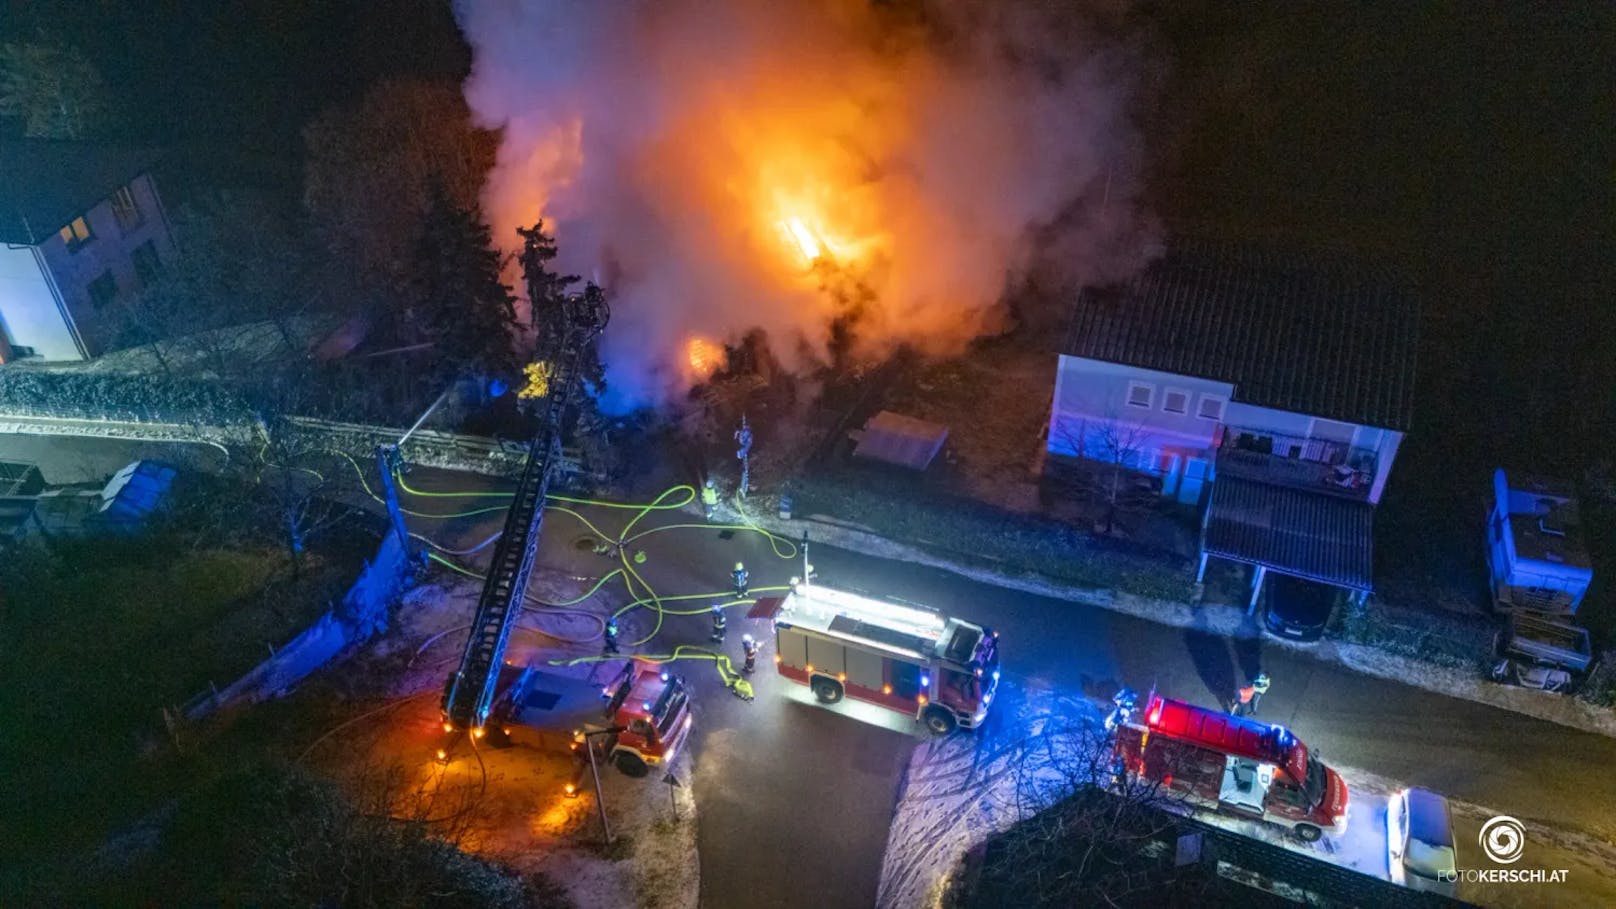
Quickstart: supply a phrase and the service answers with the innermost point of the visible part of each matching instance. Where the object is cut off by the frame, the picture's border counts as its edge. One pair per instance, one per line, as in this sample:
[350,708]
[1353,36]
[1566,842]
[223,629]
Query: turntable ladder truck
[469,693]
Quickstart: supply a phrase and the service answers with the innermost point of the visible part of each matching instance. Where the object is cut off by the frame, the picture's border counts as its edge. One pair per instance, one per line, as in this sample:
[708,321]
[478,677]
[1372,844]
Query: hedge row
[976,533]
[149,398]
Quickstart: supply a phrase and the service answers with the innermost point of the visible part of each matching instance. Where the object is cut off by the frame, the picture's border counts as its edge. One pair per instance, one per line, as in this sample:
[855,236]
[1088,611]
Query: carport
[1314,536]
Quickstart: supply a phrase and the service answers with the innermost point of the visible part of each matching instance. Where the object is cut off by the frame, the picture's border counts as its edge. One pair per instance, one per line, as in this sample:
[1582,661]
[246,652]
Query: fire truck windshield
[987,652]
[669,704]
[1314,784]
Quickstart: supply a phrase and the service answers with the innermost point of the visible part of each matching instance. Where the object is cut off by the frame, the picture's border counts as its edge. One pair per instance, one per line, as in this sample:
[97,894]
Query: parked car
[1298,610]
[1419,842]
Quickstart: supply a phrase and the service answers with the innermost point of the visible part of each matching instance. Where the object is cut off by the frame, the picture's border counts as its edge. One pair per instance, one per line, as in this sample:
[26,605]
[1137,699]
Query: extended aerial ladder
[469,693]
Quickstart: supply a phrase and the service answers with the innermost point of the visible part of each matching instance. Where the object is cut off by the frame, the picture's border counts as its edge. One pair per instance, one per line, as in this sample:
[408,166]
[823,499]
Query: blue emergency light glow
[995,675]
[646,706]
[664,676]
[925,680]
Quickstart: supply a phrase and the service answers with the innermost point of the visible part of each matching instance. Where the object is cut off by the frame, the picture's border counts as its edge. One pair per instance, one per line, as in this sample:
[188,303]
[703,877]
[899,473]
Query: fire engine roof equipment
[906,630]
[1241,736]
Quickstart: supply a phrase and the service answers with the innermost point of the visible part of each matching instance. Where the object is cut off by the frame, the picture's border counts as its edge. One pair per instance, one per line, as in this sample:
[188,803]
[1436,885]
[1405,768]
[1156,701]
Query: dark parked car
[1298,610]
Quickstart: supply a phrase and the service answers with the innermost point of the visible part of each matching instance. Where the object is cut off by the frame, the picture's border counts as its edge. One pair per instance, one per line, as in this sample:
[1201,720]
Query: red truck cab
[652,708]
[1236,765]
[644,723]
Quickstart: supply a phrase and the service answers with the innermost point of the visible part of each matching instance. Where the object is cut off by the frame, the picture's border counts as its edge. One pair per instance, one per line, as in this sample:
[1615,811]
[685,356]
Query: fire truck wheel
[938,720]
[828,691]
[1308,833]
[630,764]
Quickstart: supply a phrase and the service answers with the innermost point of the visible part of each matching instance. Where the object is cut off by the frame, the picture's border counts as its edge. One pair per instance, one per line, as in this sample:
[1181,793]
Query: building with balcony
[1273,390]
[83,228]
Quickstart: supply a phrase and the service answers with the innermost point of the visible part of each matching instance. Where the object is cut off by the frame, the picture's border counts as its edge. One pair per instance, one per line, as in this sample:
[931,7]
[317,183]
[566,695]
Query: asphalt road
[795,799]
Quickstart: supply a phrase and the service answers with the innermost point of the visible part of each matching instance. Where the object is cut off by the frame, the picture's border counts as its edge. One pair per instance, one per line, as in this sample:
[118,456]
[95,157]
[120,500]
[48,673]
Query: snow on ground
[1227,621]
[961,789]
[509,804]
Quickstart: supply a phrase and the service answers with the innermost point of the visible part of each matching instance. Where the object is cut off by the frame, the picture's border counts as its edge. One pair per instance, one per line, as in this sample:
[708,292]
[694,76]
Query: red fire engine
[941,671]
[1234,764]
[645,720]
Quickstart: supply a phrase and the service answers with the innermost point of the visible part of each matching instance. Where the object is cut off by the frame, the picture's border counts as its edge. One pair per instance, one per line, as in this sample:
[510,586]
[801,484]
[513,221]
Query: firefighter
[720,624]
[709,499]
[739,576]
[610,636]
[749,651]
[1245,699]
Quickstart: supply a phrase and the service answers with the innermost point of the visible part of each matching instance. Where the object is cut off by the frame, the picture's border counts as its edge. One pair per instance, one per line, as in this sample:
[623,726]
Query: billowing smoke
[721,165]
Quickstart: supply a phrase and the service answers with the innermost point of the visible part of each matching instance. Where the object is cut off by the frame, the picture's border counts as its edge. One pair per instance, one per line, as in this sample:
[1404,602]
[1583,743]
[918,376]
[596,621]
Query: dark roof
[1324,338]
[45,183]
[1311,535]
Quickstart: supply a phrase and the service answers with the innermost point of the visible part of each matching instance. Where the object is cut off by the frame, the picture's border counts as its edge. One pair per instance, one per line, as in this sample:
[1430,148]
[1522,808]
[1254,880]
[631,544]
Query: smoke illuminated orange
[704,357]
[724,165]
[805,238]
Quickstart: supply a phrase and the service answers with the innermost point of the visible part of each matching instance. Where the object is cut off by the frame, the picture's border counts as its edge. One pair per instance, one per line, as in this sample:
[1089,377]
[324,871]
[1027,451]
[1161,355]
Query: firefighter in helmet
[720,624]
[749,652]
[709,499]
[1245,699]
[739,577]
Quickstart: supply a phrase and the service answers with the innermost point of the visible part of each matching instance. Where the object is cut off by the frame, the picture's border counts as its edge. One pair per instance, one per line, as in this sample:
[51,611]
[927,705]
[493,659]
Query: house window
[1211,408]
[125,209]
[148,267]
[1141,394]
[103,290]
[77,233]
[1176,400]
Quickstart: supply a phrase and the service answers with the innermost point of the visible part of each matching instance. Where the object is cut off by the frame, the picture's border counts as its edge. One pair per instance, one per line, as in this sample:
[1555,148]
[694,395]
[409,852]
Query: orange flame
[805,239]
[703,356]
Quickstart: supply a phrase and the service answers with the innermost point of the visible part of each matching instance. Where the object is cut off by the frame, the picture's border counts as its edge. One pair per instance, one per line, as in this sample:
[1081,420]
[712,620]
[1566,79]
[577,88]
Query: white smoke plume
[718,164]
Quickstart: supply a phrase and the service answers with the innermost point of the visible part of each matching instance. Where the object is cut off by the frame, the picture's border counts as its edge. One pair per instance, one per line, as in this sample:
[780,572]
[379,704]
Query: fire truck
[941,671]
[643,723]
[1233,764]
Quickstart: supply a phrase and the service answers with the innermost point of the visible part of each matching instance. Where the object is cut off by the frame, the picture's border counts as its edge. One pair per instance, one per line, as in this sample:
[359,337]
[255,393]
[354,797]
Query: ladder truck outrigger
[470,695]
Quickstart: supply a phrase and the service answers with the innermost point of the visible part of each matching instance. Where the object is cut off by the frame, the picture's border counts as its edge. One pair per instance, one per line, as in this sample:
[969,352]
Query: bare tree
[1111,450]
[1087,830]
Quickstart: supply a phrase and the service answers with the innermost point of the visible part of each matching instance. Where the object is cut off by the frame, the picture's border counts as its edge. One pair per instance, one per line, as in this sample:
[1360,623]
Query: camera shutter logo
[1503,839]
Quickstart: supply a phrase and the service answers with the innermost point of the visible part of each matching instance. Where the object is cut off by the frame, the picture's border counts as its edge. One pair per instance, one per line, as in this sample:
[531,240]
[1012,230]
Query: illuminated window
[125,209]
[1141,394]
[77,233]
[1211,408]
[1176,400]
[103,290]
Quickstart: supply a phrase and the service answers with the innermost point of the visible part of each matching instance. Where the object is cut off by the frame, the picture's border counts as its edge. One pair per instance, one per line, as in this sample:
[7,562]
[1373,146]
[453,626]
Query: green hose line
[727,672]
[640,592]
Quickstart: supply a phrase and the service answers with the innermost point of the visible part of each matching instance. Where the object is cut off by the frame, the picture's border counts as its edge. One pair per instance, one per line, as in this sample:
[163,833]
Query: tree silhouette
[53,89]
[457,300]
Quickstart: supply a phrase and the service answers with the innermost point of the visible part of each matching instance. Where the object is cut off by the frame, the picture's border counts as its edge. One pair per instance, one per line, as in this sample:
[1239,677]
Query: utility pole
[743,438]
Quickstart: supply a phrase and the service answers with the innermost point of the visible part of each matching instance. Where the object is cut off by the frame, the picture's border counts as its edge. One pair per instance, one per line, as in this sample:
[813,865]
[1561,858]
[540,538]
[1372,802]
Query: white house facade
[1276,392]
[81,228]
